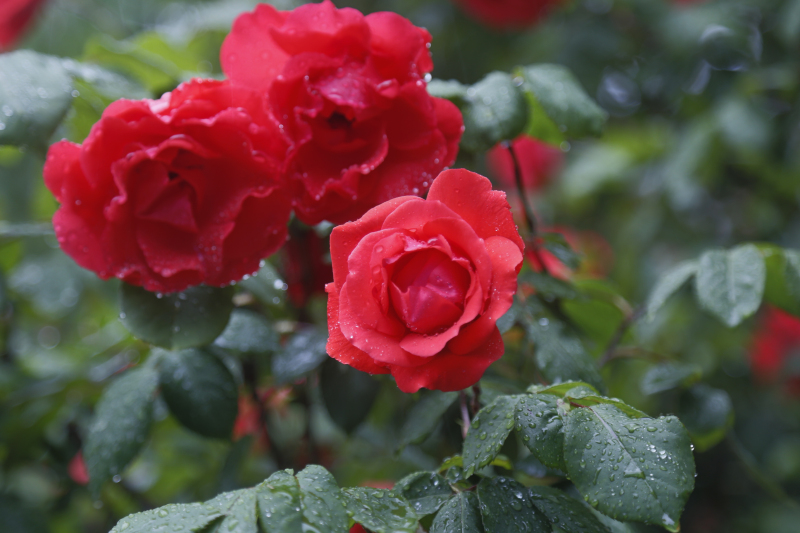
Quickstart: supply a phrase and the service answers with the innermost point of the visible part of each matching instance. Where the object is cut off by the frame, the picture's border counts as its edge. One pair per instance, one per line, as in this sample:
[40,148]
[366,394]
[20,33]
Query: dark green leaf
[304,352]
[540,427]
[380,511]
[424,416]
[560,106]
[488,432]
[565,512]
[561,356]
[36,93]
[239,508]
[667,376]
[459,515]
[175,517]
[199,390]
[425,491]
[549,287]
[248,332]
[560,389]
[730,284]
[669,285]
[348,393]
[279,503]
[638,470]
[194,317]
[506,506]
[495,110]
[707,414]
[322,501]
[120,425]
[267,286]
[782,287]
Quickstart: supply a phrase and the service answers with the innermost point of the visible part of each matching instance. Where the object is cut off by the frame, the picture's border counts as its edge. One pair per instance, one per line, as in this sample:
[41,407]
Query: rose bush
[174,192]
[419,284]
[507,13]
[350,93]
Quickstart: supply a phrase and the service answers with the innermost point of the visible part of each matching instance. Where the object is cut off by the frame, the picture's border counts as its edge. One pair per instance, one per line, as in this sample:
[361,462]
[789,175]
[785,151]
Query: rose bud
[419,284]
[174,192]
[349,91]
[508,14]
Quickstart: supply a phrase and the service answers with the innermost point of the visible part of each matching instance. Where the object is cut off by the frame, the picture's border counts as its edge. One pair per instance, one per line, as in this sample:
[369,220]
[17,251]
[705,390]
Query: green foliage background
[700,152]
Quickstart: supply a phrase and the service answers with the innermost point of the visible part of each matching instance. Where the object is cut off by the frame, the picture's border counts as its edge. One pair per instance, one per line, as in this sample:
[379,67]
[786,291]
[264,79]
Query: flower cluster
[325,112]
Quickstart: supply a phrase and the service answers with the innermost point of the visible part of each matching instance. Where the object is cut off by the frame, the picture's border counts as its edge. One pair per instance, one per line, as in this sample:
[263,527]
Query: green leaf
[380,511]
[120,425]
[199,390]
[248,332]
[541,429]
[459,515]
[425,491]
[424,416]
[488,432]
[557,244]
[639,470]
[586,399]
[322,501]
[506,506]
[495,111]
[36,93]
[668,376]
[559,389]
[194,317]
[564,108]
[565,512]
[449,90]
[174,517]
[707,414]
[107,83]
[266,285]
[240,512]
[549,287]
[279,503]
[561,356]
[730,284]
[304,352]
[782,288]
[668,285]
[509,318]
[348,393]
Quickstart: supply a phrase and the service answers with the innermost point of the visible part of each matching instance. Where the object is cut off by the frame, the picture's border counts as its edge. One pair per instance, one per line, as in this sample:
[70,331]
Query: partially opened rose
[174,192]
[419,284]
[508,13]
[349,91]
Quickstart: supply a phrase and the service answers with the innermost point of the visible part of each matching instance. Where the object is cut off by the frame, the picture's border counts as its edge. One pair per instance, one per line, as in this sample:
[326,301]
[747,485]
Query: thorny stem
[462,398]
[620,333]
[527,210]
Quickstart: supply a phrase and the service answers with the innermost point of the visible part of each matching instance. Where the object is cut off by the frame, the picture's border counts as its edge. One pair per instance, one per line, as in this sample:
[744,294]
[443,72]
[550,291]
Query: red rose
[349,92]
[508,13]
[357,528]
[15,16]
[173,192]
[77,470]
[538,163]
[419,284]
[775,342]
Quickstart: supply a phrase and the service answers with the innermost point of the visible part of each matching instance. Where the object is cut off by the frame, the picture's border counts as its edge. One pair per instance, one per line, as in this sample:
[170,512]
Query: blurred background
[702,150]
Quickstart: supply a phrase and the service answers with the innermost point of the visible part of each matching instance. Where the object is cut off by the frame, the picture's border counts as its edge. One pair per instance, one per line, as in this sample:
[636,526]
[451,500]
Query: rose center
[337,121]
[428,290]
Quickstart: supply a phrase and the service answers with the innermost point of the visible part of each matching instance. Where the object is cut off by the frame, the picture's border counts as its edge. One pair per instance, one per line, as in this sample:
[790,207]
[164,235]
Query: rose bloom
[419,284]
[775,344]
[504,14]
[349,92]
[15,17]
[174,192]
[538,163]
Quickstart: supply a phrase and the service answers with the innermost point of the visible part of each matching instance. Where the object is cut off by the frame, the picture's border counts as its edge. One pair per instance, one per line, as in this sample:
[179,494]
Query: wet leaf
[506,506]
[730,284]
[279,503]
[175,517]
[239,508]
[565,512]
[304,352]
[459,515]
[488,432]
[248,332]
[541,429]
[425,415]
[495,110]
[425,491]
[380,511]
[323,507]
[667,376]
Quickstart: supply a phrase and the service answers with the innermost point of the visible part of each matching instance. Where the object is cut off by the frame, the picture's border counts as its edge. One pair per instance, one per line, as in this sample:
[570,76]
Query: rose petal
[339,347]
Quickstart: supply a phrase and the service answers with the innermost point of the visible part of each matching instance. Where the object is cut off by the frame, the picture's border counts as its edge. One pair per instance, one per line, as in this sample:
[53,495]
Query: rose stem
[619,334]
[476,399]
[462,398]
[527,210]
[250,374]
